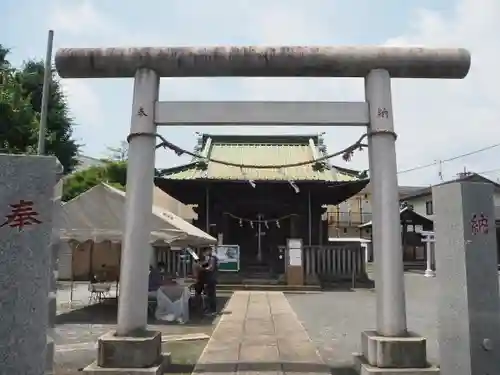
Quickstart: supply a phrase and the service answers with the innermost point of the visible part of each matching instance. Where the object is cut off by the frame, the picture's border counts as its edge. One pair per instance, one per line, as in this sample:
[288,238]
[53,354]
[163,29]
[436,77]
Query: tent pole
[72,273]
[207,210]
[309,216]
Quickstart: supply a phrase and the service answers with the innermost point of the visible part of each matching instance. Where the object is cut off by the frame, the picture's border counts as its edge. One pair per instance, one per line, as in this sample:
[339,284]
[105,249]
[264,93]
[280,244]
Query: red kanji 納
[479,224]
[21,215]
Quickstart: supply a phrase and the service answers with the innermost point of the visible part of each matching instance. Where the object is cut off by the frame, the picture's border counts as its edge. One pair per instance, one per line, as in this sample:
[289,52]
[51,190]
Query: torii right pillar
[391,346]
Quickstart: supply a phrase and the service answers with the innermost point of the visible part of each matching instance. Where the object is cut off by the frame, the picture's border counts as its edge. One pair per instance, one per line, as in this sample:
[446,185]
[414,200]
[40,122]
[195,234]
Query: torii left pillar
[133,346]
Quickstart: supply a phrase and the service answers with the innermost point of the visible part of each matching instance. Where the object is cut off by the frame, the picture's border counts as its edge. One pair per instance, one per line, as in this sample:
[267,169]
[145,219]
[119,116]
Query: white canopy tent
[98,215]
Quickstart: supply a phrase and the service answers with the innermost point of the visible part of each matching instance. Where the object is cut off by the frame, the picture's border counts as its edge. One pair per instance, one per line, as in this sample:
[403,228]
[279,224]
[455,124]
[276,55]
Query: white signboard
[295,252]
[228,257]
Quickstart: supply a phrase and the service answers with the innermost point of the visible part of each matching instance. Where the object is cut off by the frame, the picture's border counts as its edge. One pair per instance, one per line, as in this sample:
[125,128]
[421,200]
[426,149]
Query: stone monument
[26,221]
[53,276]
[466,259]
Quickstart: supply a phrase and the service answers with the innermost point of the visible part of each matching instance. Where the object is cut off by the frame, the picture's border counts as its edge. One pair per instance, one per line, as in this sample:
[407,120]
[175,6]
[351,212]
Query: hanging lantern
[241,223]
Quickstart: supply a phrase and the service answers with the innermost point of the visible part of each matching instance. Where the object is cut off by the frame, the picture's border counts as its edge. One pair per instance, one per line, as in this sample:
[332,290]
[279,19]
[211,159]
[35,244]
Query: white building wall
[419,204]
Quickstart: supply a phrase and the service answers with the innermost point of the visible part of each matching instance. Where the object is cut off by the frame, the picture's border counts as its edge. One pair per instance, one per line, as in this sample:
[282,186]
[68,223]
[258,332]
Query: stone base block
[95,369]
[364,368]
[295,275]
[166,360]
[159,369]
[394,352]
[49,356]
[140,351]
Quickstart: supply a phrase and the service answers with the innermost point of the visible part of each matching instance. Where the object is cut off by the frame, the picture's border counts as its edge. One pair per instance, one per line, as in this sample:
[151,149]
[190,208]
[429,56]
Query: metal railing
[333,263]
[348,218]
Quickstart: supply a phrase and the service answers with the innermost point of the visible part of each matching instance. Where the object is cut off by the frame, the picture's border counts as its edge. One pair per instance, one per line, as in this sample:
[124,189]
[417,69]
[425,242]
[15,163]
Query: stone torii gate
[376,65]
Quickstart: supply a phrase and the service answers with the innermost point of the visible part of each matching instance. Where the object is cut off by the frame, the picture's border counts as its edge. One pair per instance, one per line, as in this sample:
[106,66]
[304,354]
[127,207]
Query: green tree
[20,107]
[4,63]
[113,173]
[59,137]
[15,108]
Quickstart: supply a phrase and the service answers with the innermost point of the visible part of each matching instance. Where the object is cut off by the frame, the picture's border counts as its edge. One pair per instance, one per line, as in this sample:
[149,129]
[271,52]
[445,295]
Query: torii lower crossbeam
[261,113]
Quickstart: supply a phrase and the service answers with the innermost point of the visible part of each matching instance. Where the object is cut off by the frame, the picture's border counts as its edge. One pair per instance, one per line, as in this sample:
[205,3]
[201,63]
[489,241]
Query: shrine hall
[258,209]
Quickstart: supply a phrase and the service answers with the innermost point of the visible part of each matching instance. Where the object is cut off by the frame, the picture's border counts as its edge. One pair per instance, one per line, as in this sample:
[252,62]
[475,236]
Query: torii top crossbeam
[356,61]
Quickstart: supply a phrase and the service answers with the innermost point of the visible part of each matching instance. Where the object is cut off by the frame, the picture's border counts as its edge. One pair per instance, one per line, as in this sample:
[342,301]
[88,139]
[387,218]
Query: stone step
[363,368]
[268,287]
[159,369]
[256,276]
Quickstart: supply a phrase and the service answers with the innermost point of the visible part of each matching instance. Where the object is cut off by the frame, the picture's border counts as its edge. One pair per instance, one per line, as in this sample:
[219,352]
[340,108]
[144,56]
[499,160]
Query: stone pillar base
[393,355]
[295,275]
[429,273]
[140,354]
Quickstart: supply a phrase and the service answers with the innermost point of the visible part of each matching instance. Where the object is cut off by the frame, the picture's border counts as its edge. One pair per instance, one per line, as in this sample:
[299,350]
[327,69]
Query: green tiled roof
[260,150]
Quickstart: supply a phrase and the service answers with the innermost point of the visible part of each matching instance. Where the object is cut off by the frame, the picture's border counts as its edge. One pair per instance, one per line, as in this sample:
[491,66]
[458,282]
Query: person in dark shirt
[199,272]
[210,268]
[155,279]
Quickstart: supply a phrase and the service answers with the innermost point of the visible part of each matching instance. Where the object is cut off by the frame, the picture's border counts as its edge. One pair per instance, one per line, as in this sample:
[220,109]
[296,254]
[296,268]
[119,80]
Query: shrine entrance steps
[268,287]
[259,332]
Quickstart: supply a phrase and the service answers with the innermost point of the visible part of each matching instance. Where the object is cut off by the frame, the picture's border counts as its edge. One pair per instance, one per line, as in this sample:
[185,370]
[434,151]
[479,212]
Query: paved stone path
[260,333]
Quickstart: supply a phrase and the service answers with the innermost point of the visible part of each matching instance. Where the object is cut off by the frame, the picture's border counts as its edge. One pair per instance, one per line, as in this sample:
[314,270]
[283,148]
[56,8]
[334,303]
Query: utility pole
[463,174]
[440,170]
[47,77]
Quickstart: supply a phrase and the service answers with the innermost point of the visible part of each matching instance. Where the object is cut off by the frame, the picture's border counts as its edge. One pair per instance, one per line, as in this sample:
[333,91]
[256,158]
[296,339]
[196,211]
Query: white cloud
[84,102]
[435,119]
[439,119]
[79,18]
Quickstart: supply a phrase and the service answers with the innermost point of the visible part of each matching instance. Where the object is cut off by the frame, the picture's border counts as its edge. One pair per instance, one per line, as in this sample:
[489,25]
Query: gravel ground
[335,320]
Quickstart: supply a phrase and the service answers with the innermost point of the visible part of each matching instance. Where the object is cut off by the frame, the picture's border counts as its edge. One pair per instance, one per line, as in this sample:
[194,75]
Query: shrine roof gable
[260,150]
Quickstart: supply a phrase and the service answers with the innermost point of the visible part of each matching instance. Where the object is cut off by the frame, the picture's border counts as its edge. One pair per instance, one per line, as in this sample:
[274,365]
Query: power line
[449,159]
[489,171]
[472,152]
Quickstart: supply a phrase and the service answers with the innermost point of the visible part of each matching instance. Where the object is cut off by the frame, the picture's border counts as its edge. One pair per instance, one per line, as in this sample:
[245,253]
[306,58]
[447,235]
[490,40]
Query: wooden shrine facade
[258,209]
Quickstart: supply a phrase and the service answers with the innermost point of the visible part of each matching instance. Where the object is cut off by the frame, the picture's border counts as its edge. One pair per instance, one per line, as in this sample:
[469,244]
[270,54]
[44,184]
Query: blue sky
[434,119]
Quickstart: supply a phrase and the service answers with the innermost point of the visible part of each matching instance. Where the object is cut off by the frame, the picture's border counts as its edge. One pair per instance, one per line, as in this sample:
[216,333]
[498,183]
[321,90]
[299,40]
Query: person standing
[211,268]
